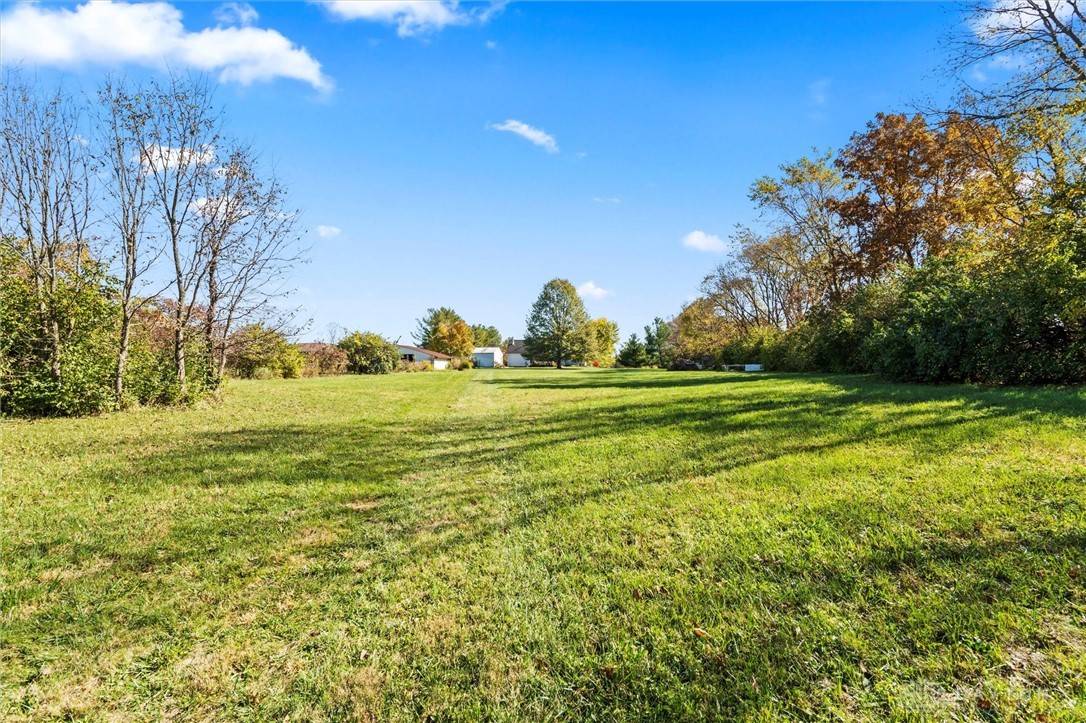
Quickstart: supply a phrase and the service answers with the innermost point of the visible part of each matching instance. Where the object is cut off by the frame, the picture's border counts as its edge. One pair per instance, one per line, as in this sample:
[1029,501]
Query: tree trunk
[122,359]
[55,337]
[179,348]
[209,323]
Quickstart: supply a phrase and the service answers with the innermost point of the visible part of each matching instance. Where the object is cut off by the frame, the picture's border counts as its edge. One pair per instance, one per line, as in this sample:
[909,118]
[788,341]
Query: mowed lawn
[543,544]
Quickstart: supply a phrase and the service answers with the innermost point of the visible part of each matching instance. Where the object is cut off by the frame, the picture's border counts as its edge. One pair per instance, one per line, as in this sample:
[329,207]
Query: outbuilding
[412,354]
[488,356]
[516,355]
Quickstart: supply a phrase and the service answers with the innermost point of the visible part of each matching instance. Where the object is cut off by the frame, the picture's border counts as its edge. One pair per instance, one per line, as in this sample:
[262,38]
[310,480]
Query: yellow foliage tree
[455,339]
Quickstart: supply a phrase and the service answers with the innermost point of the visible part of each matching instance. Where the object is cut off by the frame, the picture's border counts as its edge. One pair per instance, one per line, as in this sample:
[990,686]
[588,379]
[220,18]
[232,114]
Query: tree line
[944,246]
[137,238]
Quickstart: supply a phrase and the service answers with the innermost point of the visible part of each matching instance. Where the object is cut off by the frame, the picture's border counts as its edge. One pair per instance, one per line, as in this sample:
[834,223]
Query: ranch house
[410,353]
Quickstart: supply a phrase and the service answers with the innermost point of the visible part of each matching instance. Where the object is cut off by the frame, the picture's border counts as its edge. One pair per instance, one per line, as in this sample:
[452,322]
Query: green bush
[255,348]
[290,362]
[369,353]
[1019,323]
[86,322]
[1016,320]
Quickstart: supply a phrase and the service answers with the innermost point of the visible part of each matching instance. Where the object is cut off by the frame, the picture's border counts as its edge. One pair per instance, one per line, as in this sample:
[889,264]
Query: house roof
[516,346]
[434,354]
[309,347]
[487,350]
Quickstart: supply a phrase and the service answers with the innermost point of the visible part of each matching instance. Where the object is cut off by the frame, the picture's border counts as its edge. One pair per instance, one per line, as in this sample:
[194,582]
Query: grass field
[580,544]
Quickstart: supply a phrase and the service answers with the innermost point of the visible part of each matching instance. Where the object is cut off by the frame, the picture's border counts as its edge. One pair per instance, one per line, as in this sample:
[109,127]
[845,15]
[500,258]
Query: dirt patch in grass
[68,574]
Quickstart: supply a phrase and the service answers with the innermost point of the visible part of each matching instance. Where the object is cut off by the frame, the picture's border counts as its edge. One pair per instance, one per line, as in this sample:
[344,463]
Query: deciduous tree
[45,204]
[917,189]
[454,339]
[428,324]
[700,331]
[604,338]
[557,328]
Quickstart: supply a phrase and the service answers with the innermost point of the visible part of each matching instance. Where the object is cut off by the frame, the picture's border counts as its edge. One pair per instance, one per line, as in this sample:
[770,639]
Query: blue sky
[387,123]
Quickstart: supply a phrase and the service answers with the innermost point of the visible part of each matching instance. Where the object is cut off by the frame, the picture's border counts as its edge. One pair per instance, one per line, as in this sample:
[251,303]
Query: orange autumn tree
[919,191]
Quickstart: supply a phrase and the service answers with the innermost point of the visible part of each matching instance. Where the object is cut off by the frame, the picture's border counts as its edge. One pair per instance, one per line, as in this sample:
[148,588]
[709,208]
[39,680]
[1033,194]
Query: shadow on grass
[552,450]
[426,488]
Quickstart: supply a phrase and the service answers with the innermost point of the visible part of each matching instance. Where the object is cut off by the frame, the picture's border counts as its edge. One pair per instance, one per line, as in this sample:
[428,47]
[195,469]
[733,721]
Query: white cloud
[611,201]
[328,231]
[236,13]
[411,17]
[592,291]
[152,35]
[163,157]
[1002,16]
[707,242]
[491,45]
[534,135]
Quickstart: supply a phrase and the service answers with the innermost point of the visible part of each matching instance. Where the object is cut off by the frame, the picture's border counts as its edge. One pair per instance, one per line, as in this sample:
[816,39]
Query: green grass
[580,544]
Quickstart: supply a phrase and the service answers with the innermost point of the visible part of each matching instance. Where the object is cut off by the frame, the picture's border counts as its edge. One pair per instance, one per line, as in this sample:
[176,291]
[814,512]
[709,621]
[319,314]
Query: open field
[553,544]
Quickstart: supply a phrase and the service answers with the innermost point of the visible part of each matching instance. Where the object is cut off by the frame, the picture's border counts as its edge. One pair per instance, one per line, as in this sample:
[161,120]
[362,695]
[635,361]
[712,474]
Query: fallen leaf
[700,633]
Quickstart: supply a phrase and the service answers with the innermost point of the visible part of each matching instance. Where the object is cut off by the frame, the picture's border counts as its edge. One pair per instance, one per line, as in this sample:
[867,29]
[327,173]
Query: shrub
[290,362]
[1016,320]
[461,364]
[419,366]
[369,353]
[1017,323]
[87,319]
[255,347]
[324,360]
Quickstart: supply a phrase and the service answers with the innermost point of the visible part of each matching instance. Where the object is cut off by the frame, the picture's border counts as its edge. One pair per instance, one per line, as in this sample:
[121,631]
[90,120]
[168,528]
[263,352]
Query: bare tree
[250,239]
[124,134]
[1044,41]
[45,200]
[178,153]
[764,285]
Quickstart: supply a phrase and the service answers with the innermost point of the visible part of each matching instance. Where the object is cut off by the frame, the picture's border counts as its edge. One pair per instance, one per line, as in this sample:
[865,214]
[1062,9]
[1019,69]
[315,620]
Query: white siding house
[488,356]
[516,355]
[417,354]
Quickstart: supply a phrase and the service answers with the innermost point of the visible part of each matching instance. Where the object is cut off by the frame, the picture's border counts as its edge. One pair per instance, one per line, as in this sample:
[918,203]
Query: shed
[488,356]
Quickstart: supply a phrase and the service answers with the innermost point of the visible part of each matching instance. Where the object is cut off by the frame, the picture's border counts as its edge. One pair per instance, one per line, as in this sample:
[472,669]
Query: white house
[410,353]
[488,356]
[516,354]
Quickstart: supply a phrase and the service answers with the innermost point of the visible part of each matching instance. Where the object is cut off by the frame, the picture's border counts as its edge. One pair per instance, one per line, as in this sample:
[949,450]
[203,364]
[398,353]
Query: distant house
[516,354]
[418,354]
[488,356]
[315,347]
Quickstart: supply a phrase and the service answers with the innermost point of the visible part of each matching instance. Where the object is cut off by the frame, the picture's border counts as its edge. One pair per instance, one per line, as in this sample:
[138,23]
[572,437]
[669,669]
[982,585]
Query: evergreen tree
[633,353]
[658,347]
[486,335]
